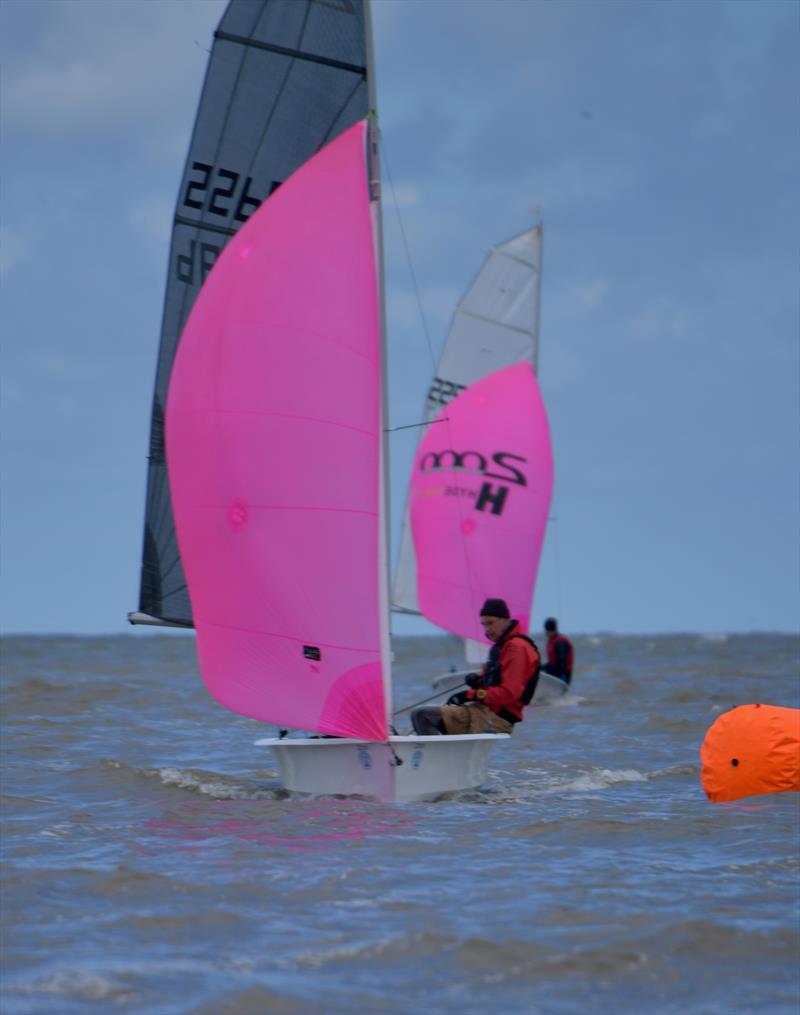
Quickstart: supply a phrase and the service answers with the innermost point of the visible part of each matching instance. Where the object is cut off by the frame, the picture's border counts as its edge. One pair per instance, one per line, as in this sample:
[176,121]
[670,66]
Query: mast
[535,358]
[373,154]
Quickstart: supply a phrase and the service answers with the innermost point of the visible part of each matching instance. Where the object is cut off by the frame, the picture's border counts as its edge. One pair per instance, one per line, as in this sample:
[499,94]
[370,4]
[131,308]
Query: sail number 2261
[217,191]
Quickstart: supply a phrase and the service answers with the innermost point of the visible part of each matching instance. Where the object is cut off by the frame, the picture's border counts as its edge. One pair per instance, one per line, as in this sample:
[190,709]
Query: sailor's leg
[473,718]
[427,722]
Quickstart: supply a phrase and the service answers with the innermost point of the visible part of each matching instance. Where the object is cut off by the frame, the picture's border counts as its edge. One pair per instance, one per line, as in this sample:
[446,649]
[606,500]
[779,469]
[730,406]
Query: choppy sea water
[152,864]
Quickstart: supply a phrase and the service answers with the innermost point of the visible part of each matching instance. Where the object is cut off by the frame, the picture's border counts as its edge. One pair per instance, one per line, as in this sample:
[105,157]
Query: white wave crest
[81,984]
[208,784]
[600,778]
[569,700]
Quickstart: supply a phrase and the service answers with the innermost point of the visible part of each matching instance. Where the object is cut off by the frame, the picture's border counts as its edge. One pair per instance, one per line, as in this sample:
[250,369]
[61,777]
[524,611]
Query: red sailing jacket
[518,660]
[554,642]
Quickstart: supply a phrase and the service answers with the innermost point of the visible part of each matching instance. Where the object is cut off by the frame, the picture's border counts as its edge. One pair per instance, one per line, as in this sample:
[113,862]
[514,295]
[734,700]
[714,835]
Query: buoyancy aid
[554,642]
[510,674]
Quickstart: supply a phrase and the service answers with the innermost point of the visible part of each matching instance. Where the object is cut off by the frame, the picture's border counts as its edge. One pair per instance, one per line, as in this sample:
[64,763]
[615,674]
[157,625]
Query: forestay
[284,78]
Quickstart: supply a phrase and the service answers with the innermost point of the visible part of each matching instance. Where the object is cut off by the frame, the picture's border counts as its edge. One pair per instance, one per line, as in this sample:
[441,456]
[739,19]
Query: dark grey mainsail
[284,78]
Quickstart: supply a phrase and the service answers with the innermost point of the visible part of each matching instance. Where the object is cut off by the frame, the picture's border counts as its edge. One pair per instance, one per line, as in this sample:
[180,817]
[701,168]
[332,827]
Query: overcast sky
[659,139]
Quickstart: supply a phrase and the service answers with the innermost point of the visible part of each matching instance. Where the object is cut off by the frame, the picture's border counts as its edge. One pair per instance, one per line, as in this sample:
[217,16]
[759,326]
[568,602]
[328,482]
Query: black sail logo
[490,496]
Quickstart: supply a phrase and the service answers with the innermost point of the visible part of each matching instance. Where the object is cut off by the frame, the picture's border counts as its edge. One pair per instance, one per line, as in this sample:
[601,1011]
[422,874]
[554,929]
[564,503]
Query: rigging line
[406,610]
[412,426]
[460,503]
[334,120]
[439,693]
[406,247]
[396,759]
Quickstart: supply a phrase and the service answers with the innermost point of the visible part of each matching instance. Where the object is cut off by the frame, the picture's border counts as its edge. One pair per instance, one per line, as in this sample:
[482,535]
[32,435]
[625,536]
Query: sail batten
[296,54]
[494,321]
[210,227]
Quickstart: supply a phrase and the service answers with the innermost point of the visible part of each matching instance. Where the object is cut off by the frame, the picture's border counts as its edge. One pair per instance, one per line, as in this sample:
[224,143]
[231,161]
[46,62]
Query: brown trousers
[473,718]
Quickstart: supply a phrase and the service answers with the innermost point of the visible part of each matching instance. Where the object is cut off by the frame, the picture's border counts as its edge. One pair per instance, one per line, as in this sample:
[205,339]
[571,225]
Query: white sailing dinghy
[482,478]
[267,525]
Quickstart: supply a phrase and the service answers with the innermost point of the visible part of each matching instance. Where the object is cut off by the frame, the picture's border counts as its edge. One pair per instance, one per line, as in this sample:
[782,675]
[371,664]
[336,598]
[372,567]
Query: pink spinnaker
[273,449]
[478,501]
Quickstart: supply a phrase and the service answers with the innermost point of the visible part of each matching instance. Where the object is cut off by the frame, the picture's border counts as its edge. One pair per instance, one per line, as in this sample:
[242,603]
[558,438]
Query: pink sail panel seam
[284,415]
[277,634]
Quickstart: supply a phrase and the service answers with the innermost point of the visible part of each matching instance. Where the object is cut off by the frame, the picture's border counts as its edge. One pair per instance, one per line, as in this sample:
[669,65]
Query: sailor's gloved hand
[473,680]
[458,698]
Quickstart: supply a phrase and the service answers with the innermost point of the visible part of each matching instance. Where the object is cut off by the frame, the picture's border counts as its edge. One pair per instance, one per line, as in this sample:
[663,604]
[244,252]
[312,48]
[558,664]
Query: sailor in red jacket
[560,653]
[496,695]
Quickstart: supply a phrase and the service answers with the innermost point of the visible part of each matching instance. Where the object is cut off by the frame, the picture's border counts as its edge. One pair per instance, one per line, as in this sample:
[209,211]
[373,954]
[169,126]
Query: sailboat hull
[404,770]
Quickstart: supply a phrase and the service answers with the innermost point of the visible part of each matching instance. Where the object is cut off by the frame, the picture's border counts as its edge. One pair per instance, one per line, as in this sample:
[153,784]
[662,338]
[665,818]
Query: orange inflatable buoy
[751,749]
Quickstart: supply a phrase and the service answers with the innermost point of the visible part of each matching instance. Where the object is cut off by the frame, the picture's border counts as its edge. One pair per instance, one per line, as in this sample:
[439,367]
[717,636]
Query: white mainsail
[494,325]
